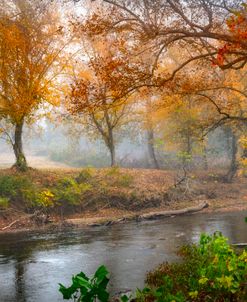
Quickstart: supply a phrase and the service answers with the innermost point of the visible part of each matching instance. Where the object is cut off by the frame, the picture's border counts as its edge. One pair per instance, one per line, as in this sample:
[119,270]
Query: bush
[17,188]
[44,199]
[10,186]
[210,271]
[4,202]
[68,190]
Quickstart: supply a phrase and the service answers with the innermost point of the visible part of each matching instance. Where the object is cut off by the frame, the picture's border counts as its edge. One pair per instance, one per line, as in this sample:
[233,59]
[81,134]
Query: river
[32,264]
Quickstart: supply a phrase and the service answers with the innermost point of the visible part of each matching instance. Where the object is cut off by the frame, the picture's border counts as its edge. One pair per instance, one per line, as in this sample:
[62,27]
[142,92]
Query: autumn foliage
[29,60]
[108,65]
[237,27]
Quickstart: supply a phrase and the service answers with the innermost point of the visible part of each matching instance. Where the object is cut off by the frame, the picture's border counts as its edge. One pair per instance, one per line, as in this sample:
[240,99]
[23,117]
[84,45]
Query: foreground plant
[211,271]
[85,289]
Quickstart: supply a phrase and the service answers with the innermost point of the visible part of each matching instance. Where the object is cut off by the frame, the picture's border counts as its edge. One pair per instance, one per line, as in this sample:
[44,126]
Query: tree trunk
[111,147]
[205,159]
[151,149]
[234,149]
[113,155]
[204,152]
[21,163]
[150,134]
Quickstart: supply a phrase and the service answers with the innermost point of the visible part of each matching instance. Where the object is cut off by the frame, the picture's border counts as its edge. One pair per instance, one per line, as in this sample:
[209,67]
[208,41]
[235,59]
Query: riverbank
[74,197]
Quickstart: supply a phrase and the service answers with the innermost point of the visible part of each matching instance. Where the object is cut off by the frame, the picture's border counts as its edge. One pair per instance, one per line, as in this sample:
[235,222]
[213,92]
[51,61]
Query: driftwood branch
[28,216]
[14,222]
[189,210]
[154,215]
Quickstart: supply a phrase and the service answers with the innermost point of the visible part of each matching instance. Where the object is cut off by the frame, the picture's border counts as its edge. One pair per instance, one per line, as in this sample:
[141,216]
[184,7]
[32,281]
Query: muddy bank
[111,216]
[121,195]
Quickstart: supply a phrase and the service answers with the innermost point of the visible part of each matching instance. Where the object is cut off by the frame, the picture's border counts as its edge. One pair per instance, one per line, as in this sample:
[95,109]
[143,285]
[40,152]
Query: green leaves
[211,271]
[84,289]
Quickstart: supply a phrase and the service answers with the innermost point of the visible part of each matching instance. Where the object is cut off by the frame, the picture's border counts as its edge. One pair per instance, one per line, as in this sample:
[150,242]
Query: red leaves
[237,27]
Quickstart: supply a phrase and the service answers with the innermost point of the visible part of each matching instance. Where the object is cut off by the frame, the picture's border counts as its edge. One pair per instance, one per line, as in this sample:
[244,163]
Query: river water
[32,264]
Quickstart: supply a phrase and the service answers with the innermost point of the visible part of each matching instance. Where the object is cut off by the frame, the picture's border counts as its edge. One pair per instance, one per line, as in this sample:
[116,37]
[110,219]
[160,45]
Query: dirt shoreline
[111,217]
[115,196]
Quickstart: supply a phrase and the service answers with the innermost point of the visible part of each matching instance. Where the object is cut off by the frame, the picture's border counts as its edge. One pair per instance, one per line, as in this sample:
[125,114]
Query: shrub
[44,199]
[11,185]
[70,191]
[17,188]
[210,271]
[4,202]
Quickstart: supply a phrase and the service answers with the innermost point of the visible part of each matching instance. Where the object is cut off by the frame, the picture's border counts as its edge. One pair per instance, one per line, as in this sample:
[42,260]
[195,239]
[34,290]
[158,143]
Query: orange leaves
[108,75]
[237,27]
[30,51]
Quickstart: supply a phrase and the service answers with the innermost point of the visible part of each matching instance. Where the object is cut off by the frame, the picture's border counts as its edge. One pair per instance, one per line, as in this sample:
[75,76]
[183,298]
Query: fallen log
[160,214]
[156,215]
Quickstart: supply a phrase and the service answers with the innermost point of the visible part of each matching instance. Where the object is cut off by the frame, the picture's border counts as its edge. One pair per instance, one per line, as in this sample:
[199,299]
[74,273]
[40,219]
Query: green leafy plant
[14,186]
[70,191]
[18,189]
[85,289]
[210,271]
[4,202]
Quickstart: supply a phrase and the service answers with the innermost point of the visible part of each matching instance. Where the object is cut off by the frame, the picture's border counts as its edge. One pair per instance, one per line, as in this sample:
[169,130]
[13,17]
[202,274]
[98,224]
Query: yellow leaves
[203,280]
[243,256]
[243,162]
[193,294]
[46,198]
[225,281]
[243,142]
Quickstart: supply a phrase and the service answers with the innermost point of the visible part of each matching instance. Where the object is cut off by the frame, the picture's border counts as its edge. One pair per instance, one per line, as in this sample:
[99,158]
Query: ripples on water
[32,264]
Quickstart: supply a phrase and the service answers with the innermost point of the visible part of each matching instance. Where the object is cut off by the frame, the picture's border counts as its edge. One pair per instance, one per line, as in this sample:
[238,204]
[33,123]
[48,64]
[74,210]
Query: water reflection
[32,265]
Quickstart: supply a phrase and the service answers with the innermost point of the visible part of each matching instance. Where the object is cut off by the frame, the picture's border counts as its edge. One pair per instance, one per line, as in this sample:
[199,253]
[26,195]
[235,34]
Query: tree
[103,79]
[216,28]
[146,103]
[195,30]
[30,50]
